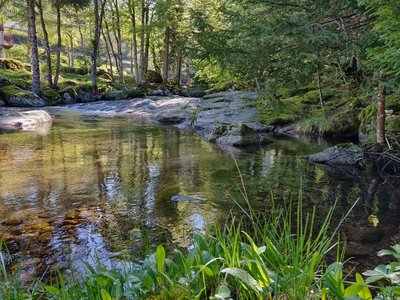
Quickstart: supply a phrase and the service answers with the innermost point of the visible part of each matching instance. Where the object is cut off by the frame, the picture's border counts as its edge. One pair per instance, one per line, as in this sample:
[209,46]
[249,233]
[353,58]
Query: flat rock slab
[341,154]
[33,120]
[226,118]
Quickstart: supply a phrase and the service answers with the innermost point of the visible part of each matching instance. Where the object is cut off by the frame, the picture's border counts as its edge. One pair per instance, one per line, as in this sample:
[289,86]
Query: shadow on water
[103,187]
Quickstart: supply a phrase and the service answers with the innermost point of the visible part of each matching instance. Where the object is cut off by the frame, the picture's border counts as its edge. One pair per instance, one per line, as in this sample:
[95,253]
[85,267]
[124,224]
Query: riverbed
[109,187]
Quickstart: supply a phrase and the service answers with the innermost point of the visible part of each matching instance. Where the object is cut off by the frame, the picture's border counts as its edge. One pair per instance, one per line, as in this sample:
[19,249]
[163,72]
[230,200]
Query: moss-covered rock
[312,97]
[153,77]
[14,96]
[11,64]
[342,124]
[50,96]
[292,110]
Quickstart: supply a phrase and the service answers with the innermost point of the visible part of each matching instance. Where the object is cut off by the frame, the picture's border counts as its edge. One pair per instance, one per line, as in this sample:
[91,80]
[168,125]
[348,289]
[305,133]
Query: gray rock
[342,154]
[2,103]
[161,92]
[230,118]
[67,99]
[23,98]
[194,198]
[34,120]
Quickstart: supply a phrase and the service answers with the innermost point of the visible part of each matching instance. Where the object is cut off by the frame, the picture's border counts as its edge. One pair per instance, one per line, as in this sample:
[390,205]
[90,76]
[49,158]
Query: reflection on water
[102,187]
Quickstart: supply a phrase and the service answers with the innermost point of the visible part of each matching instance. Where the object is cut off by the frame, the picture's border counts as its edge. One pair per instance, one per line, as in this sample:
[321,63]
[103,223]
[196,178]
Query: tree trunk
[132,12]
[166,54]
[58,51]
[145,65]
[98,16]
[118,38]
[155,63]
[34,47]
[380,118]
[46,44]
[71,41]
[108,53]
[112,46]
[321,98]
[178,71]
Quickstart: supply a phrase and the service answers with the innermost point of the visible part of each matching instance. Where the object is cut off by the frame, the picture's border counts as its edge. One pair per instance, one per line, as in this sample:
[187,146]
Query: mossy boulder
[11,64]
[342,124]
[312,97]
[15,96]
[74,70]
[292,109]
[50,96]
[153,77]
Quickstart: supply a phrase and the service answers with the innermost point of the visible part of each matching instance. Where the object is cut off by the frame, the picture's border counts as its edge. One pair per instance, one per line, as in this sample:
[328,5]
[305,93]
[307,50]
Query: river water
[104,188]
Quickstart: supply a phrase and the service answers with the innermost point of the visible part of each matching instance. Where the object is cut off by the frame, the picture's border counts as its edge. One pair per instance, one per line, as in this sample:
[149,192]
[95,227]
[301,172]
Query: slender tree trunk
[178,73]
[108,53]
[81,41]
[71,42]
[321,98]
[98,16]
[132,11]
[112,46]
[118,38]
[155,63]
[34,47]
[46,44]
[131,44]
[142,39]
[145,65]
[58,52]
[380,118]
[166,54]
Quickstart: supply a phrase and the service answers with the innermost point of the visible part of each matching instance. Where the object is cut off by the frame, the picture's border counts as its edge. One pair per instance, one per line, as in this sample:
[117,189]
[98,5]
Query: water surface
[106,187]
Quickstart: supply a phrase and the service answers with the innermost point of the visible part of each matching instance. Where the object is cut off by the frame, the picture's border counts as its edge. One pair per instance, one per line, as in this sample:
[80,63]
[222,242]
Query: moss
[11,64]
[153,77]
[312,97]
[293,110]
[392,102]
[19,78]
[343,124]
[393,123]
[14,91]
[50,95]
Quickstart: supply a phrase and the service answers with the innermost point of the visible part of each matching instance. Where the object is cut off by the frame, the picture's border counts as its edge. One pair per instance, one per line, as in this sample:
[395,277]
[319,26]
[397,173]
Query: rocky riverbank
[227,118]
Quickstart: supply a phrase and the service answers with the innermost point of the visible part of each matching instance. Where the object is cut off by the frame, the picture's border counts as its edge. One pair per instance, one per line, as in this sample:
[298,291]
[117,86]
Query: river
[106,188]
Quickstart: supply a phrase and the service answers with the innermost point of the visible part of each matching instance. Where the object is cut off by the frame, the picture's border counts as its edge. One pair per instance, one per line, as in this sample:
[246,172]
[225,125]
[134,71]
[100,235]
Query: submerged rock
[34,120]
[194,198]
[341,154]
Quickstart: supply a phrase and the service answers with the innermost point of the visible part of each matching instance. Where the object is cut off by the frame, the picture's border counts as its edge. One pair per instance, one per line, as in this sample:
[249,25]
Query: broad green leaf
[245,277]
[160,258]
[105,295]
[52,289]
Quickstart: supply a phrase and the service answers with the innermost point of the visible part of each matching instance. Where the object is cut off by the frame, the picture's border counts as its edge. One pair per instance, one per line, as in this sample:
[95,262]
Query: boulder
[2,103]
[67,99]
[15,96]
[341,154]
[153,77]
[34,120]
[162,91]
[231,119]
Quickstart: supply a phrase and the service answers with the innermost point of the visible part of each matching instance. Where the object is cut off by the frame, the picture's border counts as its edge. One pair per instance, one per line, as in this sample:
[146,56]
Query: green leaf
[52,289]
[105,295]
[222,293]
[160,258]
[245,277]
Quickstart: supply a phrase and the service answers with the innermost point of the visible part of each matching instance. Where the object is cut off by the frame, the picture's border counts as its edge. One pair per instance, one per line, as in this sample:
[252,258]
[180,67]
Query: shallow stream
[108,187]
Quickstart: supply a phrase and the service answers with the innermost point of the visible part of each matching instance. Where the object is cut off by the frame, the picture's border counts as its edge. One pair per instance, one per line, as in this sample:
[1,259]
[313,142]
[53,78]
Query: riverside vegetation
[319,68]
[278,255]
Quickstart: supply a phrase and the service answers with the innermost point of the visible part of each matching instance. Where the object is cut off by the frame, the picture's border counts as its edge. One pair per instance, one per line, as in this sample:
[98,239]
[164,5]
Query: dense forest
[293,103]
[343,55]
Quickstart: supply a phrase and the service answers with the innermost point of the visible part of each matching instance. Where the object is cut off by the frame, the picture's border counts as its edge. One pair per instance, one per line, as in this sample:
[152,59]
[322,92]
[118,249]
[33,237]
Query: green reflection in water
[96,185]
